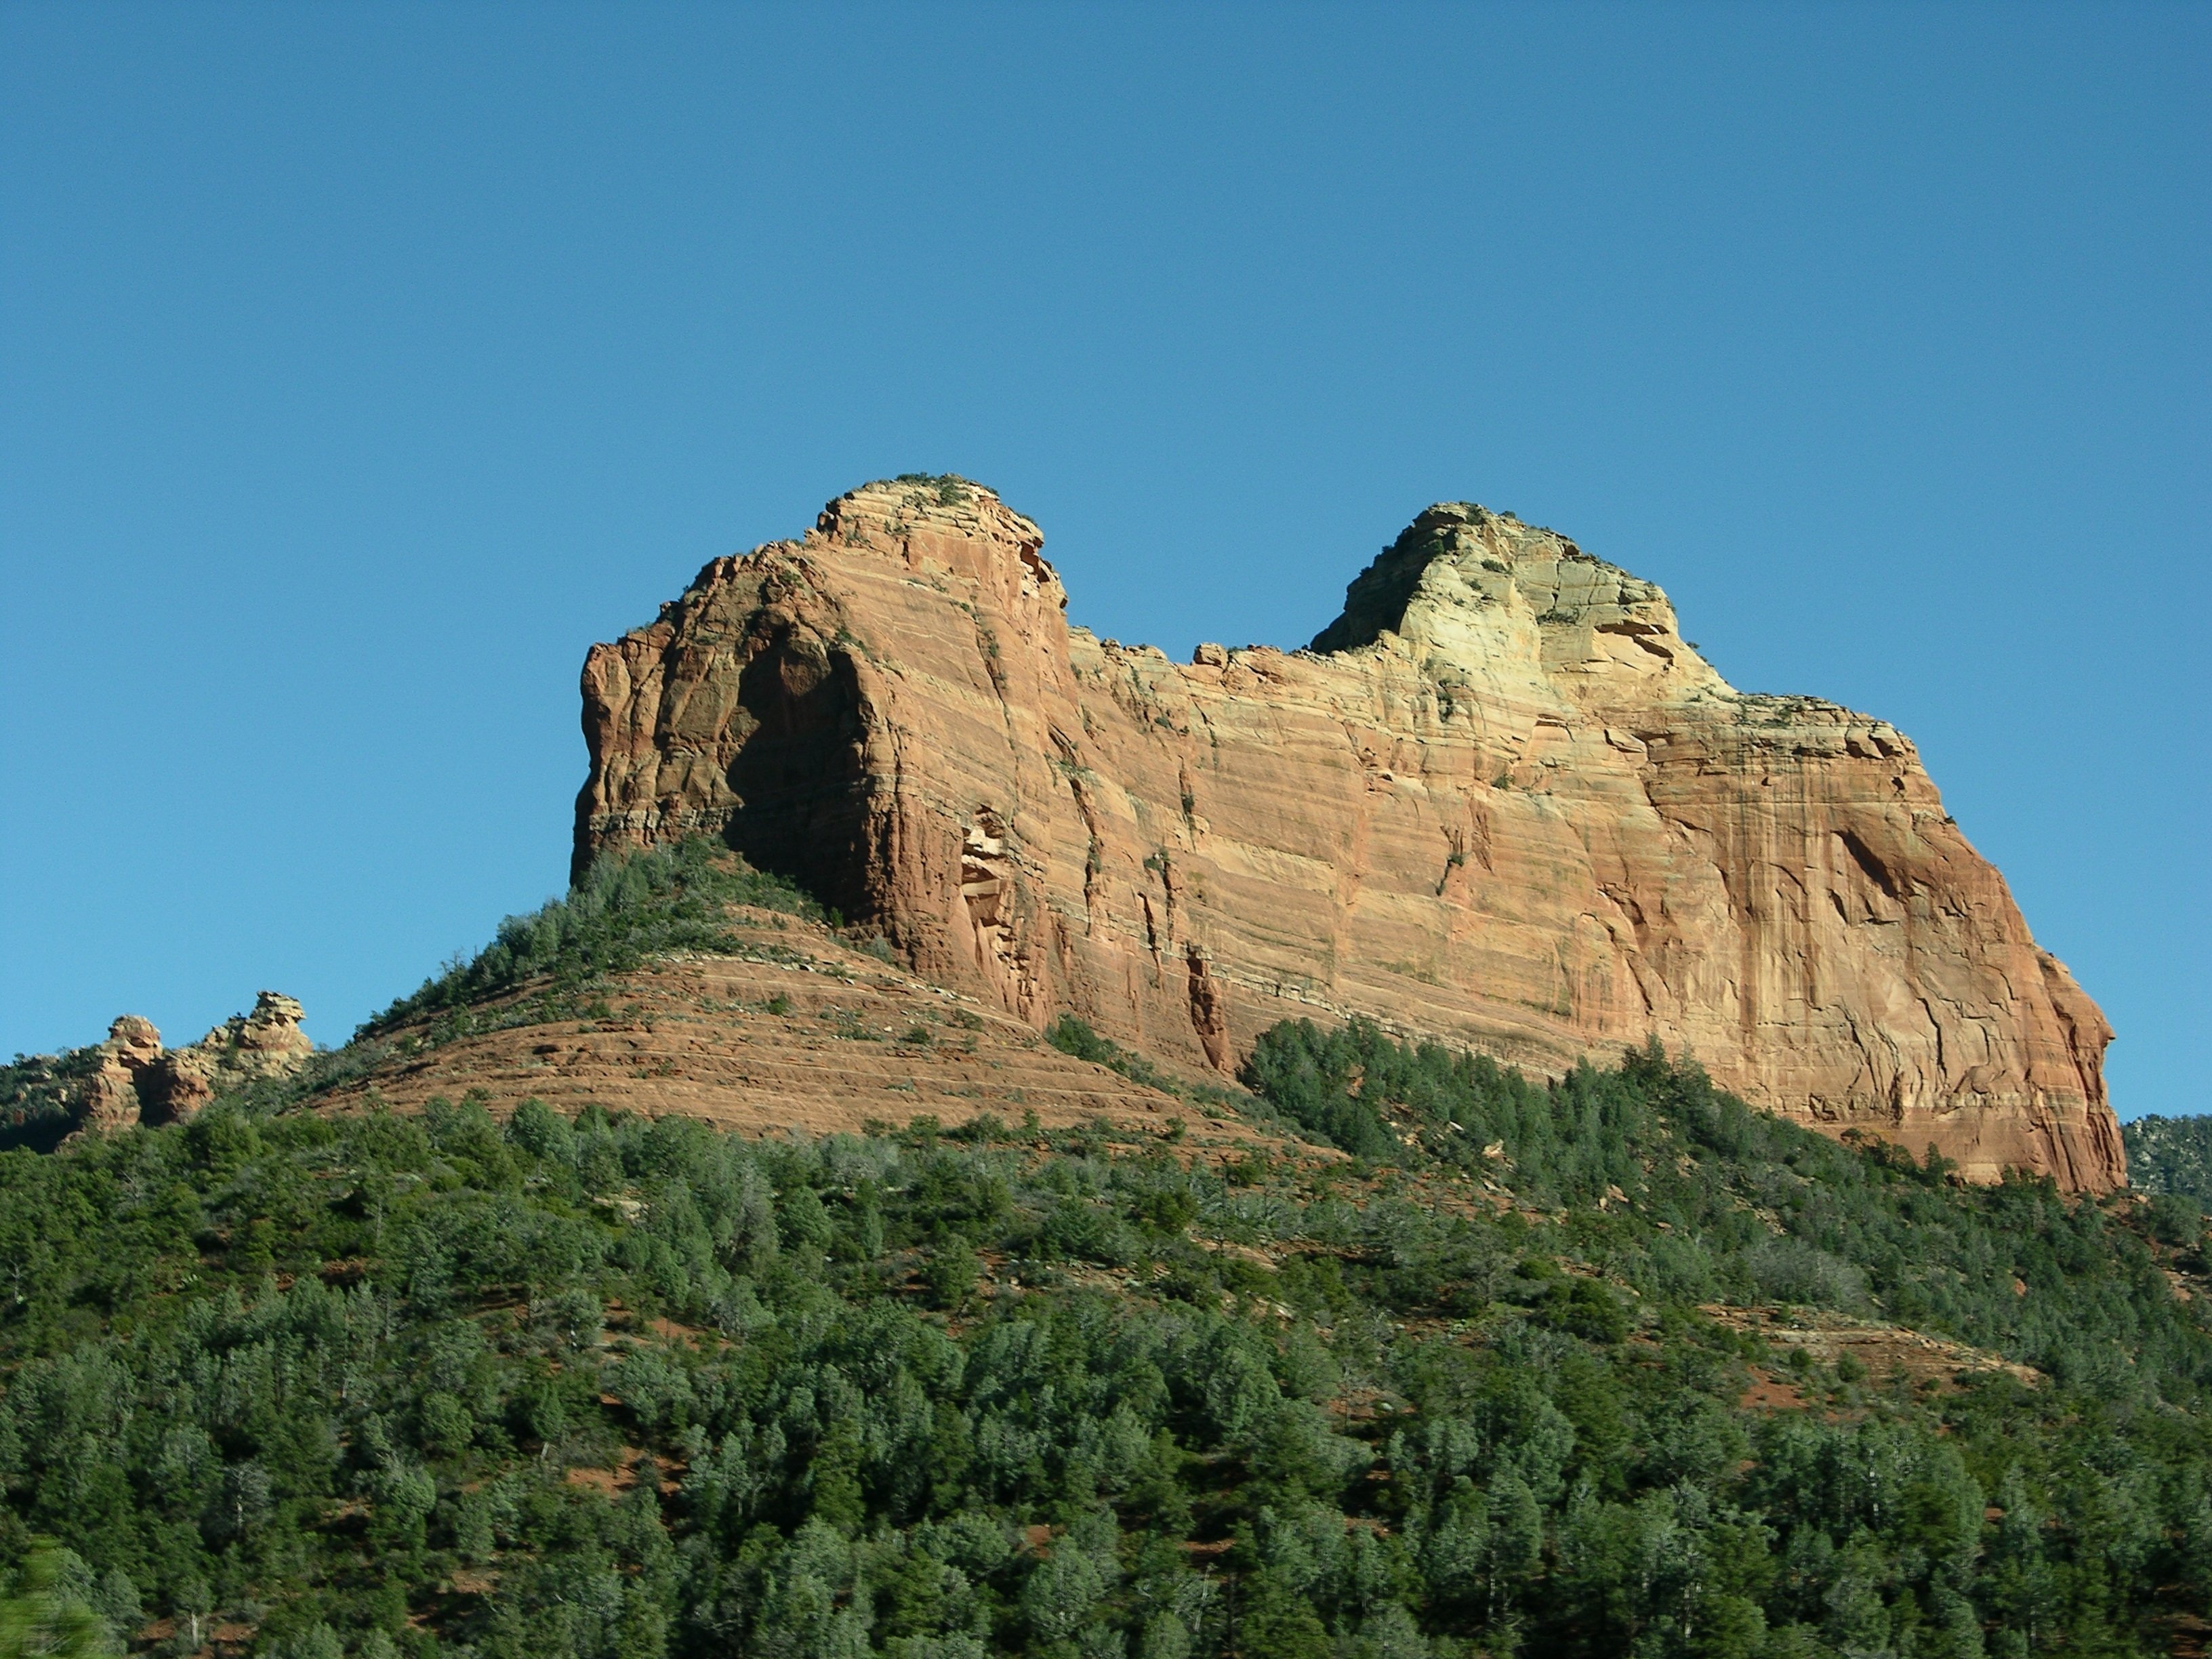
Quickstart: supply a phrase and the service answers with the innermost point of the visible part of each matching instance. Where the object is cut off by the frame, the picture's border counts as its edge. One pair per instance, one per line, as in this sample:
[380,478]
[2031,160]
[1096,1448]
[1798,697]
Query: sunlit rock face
[1500,802]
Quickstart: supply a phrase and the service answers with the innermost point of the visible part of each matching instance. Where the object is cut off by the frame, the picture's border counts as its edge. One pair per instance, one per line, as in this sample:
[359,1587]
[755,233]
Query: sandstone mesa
[1500,802]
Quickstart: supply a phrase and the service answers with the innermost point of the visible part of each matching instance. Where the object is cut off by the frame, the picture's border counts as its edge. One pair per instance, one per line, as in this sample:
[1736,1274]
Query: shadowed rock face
[1501,802]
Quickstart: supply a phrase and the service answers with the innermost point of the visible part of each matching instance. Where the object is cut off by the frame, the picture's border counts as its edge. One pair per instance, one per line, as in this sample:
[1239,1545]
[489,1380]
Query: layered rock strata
[1500,802]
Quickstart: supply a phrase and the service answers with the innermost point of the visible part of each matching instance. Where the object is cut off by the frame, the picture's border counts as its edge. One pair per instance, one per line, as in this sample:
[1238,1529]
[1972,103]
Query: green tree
[951,1273]
[45,1618]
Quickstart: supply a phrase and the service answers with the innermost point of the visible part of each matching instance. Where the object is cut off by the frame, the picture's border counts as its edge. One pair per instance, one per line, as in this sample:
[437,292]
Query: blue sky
[361,365]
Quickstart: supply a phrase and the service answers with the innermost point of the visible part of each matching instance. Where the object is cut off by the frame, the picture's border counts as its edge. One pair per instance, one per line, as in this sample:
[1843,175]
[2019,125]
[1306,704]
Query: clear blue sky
[361,365]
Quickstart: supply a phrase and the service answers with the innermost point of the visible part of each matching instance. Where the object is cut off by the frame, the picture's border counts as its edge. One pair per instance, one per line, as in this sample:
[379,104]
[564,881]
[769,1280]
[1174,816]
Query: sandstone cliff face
[135,1081]
[1501,802]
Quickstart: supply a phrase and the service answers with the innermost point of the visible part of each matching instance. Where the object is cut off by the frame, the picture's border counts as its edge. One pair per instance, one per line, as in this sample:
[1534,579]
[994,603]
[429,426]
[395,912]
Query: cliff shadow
[41,1133]
[800,776]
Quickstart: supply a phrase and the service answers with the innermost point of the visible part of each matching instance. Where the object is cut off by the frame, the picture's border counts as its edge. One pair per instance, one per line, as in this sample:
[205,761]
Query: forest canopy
[311,1386]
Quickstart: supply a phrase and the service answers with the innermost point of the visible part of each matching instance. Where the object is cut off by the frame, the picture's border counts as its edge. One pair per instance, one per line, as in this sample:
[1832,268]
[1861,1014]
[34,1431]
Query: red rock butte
[1499,803]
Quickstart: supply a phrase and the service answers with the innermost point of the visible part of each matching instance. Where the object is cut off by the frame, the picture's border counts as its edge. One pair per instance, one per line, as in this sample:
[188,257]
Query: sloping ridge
[788,1030]
[1501,803]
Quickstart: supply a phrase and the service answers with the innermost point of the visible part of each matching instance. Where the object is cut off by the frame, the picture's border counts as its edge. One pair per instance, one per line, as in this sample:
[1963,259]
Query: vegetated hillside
[681,981]
[34,1096]
[2171,1155]
[1579,1369]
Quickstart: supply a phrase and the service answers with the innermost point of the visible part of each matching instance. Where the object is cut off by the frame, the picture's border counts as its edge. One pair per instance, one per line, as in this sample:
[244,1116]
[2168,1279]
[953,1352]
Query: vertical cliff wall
[1500,802]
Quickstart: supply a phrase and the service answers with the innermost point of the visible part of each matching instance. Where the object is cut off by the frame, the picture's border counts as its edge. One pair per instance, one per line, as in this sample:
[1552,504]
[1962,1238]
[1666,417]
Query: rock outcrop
[243,1050]
[135,1080]
[108,1099]
[1500,802]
